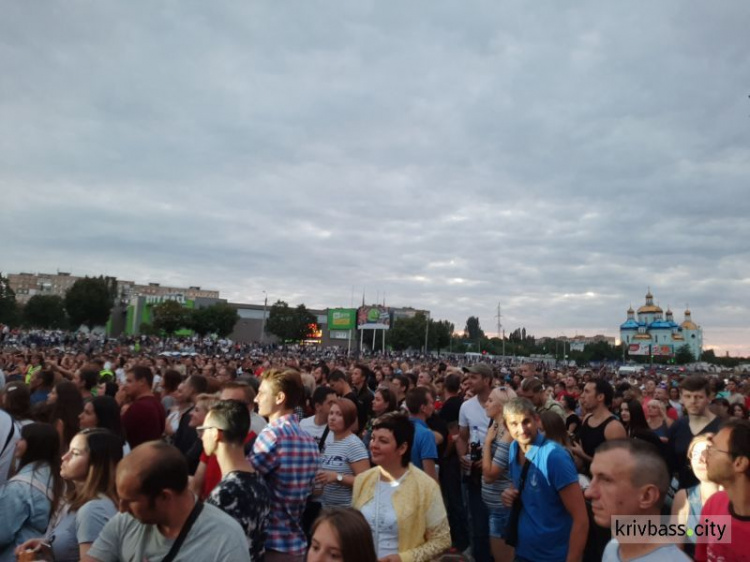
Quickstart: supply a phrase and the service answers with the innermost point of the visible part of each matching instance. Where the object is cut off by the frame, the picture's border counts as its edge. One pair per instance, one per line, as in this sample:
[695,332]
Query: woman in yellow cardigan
[403,506]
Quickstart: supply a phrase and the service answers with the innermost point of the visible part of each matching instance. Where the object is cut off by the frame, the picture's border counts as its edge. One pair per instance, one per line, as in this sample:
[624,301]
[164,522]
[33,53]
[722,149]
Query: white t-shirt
[381,516]
[665,553]
[314,430]
[472,414]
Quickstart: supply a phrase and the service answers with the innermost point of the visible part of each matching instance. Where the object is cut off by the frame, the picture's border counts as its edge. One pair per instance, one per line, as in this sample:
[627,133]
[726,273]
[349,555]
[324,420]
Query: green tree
[290,324]
[472,330]
[8,306]
[684,355]
[219,319]
[440,334]
[407,333]
[45,311]
[89,301]
[170,316]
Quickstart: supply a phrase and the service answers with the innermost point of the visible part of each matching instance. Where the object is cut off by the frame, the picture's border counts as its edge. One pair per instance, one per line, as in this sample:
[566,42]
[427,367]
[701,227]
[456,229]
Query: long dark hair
[67,408]
[43,447]
[637,423]
[105,451]
[353,533]
[108,414]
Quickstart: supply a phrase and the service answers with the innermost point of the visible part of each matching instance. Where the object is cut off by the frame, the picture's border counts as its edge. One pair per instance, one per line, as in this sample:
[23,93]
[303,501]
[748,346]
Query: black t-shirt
[438,424]
[679,438]
[572,419]
[361,412]
[450,409]
[185,437]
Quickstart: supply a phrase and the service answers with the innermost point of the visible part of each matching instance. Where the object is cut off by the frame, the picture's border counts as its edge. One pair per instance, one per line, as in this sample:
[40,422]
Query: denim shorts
[499,521]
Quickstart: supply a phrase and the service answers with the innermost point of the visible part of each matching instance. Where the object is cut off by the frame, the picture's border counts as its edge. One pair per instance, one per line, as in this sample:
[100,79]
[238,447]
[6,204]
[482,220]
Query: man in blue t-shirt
[553,523]
[421,405]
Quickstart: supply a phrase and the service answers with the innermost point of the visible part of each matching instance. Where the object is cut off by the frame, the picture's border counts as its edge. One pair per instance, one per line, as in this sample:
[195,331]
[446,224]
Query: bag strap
[172,554]
[322,443]
[524,472]
[11,433]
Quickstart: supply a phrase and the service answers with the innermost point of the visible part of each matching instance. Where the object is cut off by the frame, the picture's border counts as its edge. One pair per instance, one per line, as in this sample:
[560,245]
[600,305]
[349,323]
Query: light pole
[263,322]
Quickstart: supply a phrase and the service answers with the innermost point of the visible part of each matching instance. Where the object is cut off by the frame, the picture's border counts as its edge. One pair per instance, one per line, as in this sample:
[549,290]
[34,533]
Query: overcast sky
[555,158]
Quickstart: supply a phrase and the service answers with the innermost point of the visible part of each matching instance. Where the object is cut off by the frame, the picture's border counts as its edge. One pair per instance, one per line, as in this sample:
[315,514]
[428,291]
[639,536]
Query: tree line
[89,302]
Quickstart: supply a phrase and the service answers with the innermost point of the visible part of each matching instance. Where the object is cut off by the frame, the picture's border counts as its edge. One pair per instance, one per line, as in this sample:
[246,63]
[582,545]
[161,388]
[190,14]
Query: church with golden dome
[656,333]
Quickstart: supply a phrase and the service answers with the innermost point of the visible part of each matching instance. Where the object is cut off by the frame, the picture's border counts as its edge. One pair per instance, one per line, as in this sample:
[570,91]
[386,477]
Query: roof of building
[689,325]
[629,325]
[647,308]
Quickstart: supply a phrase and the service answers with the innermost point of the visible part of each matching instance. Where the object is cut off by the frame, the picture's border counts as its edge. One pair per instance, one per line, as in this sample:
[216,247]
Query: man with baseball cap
[473,423]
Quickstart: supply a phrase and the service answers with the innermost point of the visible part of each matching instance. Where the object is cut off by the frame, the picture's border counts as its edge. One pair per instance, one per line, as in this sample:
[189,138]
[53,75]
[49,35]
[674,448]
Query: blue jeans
[499,522]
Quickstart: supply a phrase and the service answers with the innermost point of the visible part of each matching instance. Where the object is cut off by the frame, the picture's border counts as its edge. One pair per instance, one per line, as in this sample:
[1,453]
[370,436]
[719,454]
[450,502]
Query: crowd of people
[130,450]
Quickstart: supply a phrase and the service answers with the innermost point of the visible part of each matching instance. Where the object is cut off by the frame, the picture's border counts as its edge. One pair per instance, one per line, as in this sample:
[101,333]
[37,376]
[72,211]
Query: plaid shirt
[288,459]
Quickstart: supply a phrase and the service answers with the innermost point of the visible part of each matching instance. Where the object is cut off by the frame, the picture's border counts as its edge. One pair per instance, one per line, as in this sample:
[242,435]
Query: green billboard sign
[341,318]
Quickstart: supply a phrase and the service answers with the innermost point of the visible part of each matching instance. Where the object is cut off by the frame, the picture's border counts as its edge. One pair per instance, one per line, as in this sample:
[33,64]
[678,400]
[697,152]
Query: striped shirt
[338,457]
[287,457]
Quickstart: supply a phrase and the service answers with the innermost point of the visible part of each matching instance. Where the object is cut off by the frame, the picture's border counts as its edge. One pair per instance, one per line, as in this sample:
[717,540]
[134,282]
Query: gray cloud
[557,159]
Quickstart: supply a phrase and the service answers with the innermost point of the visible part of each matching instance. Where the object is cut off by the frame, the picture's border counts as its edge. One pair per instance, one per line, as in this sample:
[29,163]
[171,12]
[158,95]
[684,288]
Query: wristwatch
[339,477]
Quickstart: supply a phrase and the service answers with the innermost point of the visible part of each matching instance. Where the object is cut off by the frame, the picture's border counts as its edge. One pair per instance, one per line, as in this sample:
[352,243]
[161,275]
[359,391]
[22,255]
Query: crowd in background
[151,447]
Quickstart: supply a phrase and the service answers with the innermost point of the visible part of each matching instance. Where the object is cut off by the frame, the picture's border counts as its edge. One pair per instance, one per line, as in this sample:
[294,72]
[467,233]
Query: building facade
[26,285]
[652,332]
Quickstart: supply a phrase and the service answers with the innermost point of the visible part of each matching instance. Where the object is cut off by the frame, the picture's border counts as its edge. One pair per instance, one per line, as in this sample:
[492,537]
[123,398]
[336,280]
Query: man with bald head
[157,507]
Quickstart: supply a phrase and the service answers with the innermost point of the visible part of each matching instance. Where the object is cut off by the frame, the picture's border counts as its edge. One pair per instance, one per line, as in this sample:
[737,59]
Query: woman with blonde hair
[495,478]
[658,421]
[688,502]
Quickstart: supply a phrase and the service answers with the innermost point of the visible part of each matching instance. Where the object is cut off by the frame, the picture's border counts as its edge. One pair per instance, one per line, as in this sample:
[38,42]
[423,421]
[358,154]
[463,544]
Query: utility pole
[500,331]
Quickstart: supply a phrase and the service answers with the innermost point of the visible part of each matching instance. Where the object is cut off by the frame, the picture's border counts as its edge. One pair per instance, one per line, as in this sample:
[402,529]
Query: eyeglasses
[201,428]
[711,447]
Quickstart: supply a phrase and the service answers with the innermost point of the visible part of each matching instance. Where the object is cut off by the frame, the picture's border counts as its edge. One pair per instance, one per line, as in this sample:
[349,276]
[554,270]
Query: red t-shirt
[213,472]
[144,421]
[735,551]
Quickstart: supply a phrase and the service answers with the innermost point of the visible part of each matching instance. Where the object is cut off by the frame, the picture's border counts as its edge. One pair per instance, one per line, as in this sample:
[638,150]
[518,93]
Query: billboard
[649,349]
[373,318]
[341,318]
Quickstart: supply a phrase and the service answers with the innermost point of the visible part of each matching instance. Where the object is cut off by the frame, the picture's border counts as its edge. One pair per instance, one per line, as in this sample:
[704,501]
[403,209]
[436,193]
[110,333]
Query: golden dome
[630,310]
[641,337]
[688,325]
[646,308]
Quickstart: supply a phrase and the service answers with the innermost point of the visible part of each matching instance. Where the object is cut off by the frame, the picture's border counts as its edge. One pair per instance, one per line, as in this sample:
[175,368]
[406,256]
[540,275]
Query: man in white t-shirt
[472,427]
[316,425]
